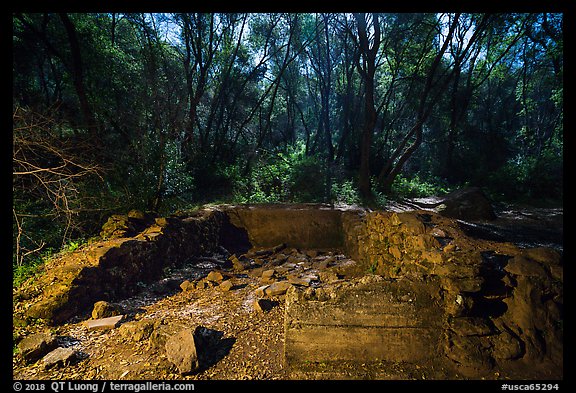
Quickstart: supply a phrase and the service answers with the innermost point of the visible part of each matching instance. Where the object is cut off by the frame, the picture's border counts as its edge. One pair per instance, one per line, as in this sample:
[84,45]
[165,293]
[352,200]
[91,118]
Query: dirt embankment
[495,309]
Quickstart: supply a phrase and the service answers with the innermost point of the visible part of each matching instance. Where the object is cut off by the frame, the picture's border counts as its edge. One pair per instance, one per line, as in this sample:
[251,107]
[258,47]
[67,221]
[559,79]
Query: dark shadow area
[211,346]
[489,301]
[235,240]
[480,231]
[485,307]
[527,227]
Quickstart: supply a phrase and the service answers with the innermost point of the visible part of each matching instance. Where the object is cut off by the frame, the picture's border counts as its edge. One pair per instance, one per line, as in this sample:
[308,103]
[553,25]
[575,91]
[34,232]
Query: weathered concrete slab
[59,357]
[364,320]
[104,323]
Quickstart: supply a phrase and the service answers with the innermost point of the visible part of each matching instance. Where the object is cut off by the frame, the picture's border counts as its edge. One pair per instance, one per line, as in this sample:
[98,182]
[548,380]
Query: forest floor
[246,343]
[521,224]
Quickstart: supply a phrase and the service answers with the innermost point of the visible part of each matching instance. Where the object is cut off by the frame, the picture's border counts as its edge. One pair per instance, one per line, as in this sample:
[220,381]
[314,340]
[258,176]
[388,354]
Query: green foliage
[345,192]
[282,176]
[415,187]
[530,177]
[34,265]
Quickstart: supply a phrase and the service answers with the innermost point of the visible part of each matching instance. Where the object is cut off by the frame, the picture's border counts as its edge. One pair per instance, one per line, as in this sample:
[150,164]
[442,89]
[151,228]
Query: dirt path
[526,226]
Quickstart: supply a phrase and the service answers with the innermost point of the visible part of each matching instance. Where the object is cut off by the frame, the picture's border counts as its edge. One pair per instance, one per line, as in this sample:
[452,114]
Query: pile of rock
[277,269]
[44,346]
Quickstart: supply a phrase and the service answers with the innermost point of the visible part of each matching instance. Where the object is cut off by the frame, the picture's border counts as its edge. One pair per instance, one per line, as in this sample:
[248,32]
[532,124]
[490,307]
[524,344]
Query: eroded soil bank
[300,292]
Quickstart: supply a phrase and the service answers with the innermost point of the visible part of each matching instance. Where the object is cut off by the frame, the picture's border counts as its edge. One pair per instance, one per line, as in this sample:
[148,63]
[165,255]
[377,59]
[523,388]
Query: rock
[557,273]
[239,265]
[522,266]
[59,357]
[226,285]
[124,225]
[215,276]
[297,259]
[137,214]
[103,309]
[278,288]
[187,285]
[469,353]
[181,351]
[346,268]
[450,247]
[454,270]
[35,346]
[437,232]
[327,276]
[506,347]
[137,330]
[409,223]
[268,276]
[260,291]
[421,242]
[467,284]
[263,305]
[395,251]
[434,256]
[324,261]
[159,335]
[205,284]
[302,281]
[543,255]
[279,259]
[468,203]
[104,323]
[469,326]
[117,226]
[162,222]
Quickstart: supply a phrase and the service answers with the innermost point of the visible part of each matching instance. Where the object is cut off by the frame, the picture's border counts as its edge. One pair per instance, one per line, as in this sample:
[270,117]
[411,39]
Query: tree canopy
[116,111]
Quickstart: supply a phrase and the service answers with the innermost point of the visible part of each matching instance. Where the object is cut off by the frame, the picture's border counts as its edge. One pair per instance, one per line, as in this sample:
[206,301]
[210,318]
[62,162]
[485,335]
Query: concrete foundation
[368,319]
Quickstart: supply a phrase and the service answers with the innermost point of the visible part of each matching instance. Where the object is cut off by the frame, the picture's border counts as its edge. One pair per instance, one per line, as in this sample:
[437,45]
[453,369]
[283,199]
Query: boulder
[302,281]
[103,309]
[215,276]
[35,346]
[277,288]
[507,347]
[226,285]
[137,330]
[470,355]
[181,351]
[187,285]
[522,266]
[468,203]
[118,226]
[260,291]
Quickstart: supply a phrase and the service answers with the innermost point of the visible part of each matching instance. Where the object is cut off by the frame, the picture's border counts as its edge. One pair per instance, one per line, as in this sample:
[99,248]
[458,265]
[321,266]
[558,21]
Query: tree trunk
[78,74]
[367,68]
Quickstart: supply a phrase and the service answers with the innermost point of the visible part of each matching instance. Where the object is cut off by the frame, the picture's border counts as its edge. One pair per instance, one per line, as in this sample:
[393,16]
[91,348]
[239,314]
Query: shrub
[416,187]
